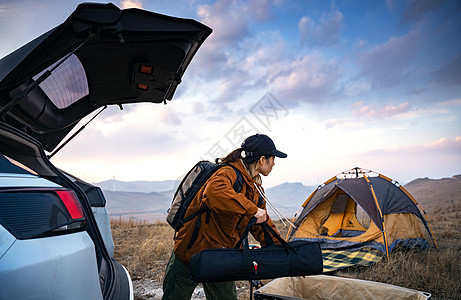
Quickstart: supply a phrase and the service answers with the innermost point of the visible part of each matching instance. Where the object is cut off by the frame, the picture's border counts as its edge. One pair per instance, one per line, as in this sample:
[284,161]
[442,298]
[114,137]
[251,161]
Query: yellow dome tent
[391,215]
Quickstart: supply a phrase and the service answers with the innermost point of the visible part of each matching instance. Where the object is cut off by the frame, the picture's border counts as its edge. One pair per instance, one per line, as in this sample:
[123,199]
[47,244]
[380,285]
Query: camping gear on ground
[329,215]
[319,287]
[189,187]
[297,258]
[334,260]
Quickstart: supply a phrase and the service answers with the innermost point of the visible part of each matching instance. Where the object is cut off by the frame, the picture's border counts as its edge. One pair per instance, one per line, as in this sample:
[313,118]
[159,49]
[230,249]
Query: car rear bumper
[58,267]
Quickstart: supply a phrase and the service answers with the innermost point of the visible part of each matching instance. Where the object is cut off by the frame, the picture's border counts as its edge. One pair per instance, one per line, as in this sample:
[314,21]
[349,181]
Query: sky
[336,84]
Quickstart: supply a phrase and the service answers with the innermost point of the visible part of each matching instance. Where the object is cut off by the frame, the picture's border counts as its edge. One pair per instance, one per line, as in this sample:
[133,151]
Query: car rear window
[67,84]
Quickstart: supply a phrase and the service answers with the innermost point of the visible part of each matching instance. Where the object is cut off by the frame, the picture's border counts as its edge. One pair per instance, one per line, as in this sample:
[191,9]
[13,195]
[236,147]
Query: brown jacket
[230,213]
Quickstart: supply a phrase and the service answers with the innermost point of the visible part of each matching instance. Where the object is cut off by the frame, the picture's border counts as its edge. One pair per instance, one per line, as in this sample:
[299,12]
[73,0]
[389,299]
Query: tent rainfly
[329,215]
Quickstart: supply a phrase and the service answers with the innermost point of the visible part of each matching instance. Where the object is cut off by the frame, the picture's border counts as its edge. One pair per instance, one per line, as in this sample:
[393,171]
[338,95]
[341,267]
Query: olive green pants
[178,284]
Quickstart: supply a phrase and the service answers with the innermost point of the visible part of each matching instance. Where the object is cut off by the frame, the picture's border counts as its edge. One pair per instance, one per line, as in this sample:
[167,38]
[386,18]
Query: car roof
[99,56]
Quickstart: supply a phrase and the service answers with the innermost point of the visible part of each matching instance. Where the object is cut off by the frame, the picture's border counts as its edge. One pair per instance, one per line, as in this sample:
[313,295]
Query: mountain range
[149,200]
[138,186]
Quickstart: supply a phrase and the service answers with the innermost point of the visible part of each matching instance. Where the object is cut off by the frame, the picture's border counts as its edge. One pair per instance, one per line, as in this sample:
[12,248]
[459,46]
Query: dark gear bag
[296,258]
[188,188]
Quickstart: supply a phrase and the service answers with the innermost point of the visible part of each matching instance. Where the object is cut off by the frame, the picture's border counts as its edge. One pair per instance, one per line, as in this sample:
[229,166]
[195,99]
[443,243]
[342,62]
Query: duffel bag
[296,258]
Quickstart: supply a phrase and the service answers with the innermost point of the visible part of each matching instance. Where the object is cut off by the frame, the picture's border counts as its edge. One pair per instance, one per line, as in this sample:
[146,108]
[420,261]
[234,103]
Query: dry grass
[145,248]
[437,271]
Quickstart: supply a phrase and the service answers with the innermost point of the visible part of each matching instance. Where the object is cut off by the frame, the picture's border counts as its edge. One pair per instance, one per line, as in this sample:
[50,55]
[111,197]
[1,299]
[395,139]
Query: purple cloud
[435,159]
[230,21]
[445,144]
[374,111]
[311,78]
[387,64]
[450,73]
[418,8]
[324,33]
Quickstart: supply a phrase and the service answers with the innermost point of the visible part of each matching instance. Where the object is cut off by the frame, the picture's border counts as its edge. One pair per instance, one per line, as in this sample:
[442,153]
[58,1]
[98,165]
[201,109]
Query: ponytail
[231,157]
[236,155]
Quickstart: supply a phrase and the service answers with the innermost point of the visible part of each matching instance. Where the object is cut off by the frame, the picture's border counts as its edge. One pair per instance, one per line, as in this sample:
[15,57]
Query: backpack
[189,187]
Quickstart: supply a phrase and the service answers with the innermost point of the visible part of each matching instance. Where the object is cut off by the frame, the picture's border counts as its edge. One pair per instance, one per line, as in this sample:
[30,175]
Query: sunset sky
[335,84]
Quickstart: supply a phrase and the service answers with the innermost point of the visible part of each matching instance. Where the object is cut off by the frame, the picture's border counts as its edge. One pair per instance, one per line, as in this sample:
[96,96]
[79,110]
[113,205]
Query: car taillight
[30,213]
[72,204]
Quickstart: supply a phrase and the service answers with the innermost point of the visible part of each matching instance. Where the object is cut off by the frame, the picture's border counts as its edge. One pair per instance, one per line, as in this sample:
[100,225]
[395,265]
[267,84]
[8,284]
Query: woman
[229,216]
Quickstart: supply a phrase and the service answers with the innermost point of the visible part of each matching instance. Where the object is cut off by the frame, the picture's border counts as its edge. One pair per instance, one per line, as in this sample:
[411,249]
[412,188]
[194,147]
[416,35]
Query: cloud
[444,144]
[311,78]
[450,73]
[390,4]
[374,111]
[440,146]
[334,123]
[244,69]
[145,130]
[230,21]
[228,24]
[259,10]
[235,62]
[361,114]
[267,65]
[356,88]
[450,103]
[18,22]
[113,113]
[439,158]
[249,69]
[386,65]
[417,9]
[135,153]
[324,33]
[124,4]
[221,61]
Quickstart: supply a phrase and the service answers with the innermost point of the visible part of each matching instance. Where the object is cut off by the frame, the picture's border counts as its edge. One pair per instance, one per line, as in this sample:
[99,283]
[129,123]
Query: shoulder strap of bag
[238,184]
[265,226]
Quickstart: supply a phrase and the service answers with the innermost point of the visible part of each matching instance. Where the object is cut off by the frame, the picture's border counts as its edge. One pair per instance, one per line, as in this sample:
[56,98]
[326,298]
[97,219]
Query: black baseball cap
[259,145]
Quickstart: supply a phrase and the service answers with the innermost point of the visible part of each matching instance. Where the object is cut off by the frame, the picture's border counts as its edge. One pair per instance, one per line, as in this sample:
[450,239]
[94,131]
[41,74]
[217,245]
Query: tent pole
[385,241]
[380,212]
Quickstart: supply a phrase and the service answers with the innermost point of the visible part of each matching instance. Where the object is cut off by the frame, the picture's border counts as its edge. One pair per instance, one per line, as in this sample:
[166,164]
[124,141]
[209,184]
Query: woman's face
[266,166]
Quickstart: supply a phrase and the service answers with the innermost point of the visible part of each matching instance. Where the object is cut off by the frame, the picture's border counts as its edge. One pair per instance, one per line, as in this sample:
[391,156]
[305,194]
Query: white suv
[55,238]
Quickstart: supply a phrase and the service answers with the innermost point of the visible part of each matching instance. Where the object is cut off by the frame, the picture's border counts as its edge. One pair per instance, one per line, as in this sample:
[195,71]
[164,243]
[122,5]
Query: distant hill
[138,186]
[138,206]
[288,197]
[149,200]
[437,195]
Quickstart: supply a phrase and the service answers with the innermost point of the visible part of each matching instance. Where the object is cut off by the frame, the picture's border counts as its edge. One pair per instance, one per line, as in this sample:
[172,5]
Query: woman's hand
[261,216]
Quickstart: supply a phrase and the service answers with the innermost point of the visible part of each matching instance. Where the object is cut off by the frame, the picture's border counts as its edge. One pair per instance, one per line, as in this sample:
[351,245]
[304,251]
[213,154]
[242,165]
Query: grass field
[437,271]
[145,248]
